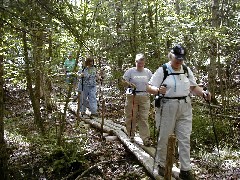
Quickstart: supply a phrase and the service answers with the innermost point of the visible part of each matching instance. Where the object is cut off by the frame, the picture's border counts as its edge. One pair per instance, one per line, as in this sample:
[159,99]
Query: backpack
[165,72]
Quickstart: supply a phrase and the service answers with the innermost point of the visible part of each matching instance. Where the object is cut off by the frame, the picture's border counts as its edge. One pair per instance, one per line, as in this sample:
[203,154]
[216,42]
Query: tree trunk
[34,101]
[177,7]
[221,72]
[119,18]
[46,79]
[170,156]
[134,40]
[38,58]
[214,50]
[153,28]
[64,115]
[3,147]
[71,88]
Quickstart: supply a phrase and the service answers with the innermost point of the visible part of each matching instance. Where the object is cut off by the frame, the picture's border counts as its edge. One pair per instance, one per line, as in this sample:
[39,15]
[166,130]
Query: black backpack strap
[185,69]
[165,72]
[83,68]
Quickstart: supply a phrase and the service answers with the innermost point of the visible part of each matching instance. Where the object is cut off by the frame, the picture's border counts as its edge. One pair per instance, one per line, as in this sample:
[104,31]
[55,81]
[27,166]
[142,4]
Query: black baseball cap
[179,52]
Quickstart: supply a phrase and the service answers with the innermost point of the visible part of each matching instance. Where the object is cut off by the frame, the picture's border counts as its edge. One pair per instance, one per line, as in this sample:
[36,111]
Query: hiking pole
[82,97]
[101,86]
[103,104]
[80,100]
[78,107]
[103,112]
[134,94]
[158,105]
[205,93]
[154,129]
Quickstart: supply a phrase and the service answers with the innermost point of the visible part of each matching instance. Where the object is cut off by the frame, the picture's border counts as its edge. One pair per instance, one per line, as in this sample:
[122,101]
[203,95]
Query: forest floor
[106,159]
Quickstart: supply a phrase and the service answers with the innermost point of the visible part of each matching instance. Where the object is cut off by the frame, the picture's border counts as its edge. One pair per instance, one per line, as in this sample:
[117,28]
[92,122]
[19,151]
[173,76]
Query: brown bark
[170,156]
[33,96]
[177,6]
[153,28]
[3,147]
[214,50]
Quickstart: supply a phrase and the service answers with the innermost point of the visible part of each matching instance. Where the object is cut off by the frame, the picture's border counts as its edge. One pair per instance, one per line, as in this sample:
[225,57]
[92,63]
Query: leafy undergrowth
[85,155]
[100,160]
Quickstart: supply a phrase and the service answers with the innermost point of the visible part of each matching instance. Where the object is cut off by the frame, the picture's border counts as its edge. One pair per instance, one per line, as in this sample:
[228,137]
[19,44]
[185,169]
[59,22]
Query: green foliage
[33,152]
[63,160]
[203,138]
[117,31]
[151,121]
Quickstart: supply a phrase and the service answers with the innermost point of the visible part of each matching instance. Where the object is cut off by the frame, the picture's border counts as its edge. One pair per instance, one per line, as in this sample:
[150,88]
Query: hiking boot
[82,113]
[132,139]
[147,142]
[75,97]
[186,175]
[161,171]
[92,116]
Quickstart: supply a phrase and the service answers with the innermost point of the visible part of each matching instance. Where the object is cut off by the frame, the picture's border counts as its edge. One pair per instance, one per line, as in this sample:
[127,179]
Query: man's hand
[206,94]
[162,89]
[132,85]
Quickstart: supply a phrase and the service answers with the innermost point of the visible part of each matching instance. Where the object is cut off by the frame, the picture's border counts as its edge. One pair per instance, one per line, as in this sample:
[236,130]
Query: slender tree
[214,48]
[3,155]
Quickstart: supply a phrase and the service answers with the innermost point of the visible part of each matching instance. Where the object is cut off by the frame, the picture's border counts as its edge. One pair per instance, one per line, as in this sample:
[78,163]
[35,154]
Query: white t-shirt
[139,78]
[177,85]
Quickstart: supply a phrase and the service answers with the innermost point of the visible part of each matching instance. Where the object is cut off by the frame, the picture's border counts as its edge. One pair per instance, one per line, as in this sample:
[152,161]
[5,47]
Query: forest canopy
[114,31]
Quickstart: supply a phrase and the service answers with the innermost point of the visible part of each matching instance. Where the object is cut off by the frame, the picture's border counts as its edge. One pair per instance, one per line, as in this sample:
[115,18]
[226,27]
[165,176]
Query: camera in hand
[158,101]
[159,97]
[130,91]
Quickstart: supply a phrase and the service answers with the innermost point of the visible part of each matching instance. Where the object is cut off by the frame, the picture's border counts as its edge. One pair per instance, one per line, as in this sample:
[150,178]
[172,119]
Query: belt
[178,98]
[139,91]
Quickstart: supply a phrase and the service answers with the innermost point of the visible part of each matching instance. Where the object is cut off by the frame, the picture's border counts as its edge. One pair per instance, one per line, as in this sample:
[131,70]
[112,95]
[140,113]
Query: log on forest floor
[145,155]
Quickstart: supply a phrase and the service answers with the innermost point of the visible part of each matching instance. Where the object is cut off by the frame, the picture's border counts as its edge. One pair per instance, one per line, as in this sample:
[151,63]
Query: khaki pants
[136,112]
[175,117]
